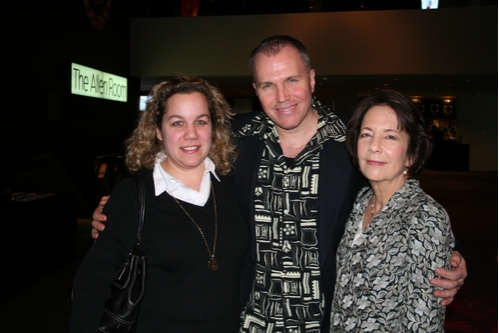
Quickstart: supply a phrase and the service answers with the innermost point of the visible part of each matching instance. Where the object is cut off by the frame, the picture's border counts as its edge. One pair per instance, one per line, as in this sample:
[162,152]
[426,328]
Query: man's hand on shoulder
[451,280]
[98,218]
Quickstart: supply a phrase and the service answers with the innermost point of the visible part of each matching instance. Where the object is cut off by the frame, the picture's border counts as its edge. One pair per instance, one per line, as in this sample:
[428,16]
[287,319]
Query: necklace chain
[212,263]
[373,201]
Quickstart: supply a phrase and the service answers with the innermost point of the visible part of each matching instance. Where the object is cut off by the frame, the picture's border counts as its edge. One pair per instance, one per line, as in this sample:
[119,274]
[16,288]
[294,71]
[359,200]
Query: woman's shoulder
[426,215]
[224,182]
[363,193]
[127,187]
[425,203]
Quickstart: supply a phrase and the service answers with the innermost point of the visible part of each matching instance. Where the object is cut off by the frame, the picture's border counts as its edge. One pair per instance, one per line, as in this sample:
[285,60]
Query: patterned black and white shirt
[286,295]
[382,282]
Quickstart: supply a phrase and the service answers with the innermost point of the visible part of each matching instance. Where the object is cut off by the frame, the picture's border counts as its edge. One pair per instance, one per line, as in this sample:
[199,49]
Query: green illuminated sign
[86,81]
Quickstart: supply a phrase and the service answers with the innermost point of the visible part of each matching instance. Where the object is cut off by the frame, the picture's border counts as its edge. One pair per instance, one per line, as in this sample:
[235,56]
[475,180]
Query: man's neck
[294,140]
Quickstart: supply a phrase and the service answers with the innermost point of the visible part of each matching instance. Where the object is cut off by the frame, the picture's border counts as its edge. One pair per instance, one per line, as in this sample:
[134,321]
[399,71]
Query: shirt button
[285,181]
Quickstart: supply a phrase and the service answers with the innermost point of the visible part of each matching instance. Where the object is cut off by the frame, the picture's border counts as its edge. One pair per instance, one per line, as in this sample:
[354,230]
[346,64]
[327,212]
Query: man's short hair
[272,45]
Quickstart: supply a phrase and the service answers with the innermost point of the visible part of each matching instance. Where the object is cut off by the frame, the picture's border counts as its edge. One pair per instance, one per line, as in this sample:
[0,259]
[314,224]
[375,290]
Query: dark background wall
[50,138]
[424,54]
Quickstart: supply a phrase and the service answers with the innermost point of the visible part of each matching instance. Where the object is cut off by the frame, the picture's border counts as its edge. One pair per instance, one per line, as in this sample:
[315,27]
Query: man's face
[285,89]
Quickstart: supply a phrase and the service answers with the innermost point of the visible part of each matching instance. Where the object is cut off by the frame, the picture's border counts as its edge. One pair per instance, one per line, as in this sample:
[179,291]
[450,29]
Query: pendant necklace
[212,263]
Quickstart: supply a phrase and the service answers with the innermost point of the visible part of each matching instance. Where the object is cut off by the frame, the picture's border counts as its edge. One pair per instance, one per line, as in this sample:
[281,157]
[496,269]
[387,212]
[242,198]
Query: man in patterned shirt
[296,188]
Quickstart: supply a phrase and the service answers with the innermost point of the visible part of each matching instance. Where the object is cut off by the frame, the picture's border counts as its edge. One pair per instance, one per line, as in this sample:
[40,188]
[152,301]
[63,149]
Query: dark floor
[469,197]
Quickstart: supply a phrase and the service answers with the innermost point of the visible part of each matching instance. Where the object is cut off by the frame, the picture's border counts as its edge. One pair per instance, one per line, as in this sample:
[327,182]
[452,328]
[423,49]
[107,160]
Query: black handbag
[121,310]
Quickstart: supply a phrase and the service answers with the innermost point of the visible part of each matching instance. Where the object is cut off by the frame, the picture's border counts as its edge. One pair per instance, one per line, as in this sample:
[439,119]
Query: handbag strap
[142,210]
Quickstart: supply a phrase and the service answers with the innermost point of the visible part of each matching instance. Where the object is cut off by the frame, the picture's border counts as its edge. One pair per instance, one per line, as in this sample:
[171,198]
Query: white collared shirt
[164,182]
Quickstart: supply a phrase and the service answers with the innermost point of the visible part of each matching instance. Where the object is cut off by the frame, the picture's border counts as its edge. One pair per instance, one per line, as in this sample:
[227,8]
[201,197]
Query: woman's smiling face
[382,148]
[186,132]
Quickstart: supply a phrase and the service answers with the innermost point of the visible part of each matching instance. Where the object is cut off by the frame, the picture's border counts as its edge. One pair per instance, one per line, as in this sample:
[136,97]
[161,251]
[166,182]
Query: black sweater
[182,294]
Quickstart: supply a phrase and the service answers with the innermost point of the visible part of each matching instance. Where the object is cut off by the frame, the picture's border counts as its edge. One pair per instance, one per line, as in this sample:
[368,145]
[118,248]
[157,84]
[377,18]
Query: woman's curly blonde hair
[143,145]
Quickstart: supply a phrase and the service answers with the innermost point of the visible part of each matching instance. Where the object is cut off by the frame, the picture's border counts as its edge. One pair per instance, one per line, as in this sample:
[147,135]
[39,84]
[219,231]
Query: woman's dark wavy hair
[410,120]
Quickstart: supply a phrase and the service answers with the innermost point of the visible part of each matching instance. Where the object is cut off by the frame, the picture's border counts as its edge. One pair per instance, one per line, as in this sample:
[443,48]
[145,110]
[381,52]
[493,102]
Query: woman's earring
[406,173]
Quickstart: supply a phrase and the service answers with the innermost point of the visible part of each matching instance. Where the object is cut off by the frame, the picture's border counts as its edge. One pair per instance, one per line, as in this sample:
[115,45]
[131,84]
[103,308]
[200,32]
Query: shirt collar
[329,125]
[164,182]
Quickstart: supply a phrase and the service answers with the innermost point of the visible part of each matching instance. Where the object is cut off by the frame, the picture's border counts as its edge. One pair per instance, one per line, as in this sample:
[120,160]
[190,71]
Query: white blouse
[164,182]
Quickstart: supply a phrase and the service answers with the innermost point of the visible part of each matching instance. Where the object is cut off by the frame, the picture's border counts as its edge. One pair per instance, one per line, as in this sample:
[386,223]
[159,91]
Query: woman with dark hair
[396,235]
[194,235]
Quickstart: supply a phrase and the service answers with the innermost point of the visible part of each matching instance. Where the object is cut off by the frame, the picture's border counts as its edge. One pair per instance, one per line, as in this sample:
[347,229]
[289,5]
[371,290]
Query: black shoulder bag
[121,311]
